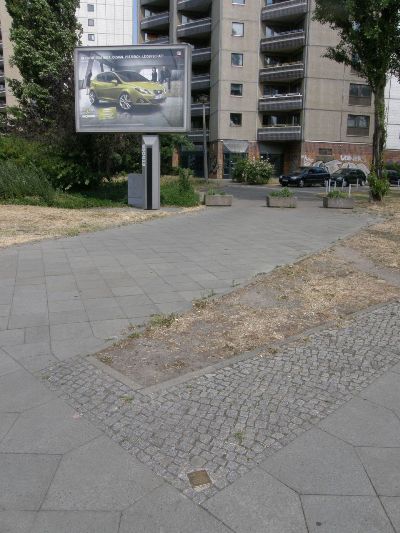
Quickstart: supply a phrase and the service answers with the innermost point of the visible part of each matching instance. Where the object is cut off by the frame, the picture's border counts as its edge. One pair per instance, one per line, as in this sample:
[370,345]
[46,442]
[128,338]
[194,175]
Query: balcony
[201,82]
[155,3]
[287,41]
[156,22]
[283,72]
[281,102]
[160,40]
[196,29]
[284,11]
[279,133]
[201,55]
[197,109]
[194,5]
[196,135]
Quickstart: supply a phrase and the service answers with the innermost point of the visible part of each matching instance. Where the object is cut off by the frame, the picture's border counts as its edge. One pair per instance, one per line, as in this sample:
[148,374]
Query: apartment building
[6,71]
[393,118]
[106,22]
[269,92]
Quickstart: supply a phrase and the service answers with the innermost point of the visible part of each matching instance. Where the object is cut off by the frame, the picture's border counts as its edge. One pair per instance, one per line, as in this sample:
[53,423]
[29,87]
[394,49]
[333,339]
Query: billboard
[140,89]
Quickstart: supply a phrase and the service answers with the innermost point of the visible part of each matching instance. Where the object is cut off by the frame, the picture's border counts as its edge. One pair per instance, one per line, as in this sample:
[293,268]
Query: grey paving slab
[67,317]
[11,337]
[383,468]
[108,478]
[167,510]
[16,521]
[76,522]
[7,420]
[20,391]
[25,320]
[258,502]
[392,508]
[385,391]
[70,348]
[345,514]
[24,480]
[78,330]
[317,463]
[362,423]
[32,356]
[7,364]
[396,368]
[52,428]
[37,334]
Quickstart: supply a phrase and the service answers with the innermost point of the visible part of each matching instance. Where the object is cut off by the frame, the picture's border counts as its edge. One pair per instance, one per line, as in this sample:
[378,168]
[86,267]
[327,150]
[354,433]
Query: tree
[369,33]
[44,34]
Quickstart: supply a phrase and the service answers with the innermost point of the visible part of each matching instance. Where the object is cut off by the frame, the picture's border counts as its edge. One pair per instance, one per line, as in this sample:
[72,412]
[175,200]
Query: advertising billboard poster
[141,89]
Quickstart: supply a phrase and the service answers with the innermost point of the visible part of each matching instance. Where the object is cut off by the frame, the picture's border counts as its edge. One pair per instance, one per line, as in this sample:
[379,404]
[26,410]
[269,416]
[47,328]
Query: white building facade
[393,119]
[106,22]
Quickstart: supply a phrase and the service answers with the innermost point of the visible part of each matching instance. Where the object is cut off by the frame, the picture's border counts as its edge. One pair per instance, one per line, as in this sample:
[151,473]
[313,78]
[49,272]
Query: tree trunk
[379,140]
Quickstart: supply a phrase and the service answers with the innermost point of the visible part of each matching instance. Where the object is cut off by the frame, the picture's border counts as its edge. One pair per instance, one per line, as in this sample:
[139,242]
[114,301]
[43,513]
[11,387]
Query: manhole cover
[199,478]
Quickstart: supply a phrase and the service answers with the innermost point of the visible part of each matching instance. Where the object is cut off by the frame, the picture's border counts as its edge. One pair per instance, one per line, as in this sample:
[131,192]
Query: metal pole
[205,154]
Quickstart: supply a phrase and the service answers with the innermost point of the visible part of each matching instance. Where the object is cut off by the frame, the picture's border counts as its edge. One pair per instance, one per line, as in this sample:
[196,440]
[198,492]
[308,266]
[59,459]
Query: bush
[337,194]
[379,187]
[179,192]
[18,182]
[252,171]
[282,193]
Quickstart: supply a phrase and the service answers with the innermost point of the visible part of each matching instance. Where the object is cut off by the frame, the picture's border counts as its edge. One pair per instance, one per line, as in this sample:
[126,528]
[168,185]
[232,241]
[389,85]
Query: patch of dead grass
[24,223]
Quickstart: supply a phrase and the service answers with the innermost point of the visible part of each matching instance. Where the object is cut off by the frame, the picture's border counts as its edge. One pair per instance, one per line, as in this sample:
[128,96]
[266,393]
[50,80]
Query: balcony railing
[283,72]
[281,102]
[285,41]
[201,55]
[279,133]
[284,11]
[155,3]
[196,28]
[194,5]
[160,40]
[196,135]
[201,82]
[197,109]
[155,22]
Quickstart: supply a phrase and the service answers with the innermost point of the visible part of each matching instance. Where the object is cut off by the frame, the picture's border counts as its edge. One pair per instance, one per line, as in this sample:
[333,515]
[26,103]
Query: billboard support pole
[151,171]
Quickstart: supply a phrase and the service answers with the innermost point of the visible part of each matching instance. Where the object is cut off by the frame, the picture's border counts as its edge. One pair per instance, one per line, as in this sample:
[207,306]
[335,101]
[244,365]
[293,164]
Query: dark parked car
[393,177]
[345,176]
[308,176]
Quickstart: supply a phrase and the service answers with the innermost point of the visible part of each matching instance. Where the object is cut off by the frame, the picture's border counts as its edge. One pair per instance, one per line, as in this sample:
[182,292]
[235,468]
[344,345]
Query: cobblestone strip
[229,421]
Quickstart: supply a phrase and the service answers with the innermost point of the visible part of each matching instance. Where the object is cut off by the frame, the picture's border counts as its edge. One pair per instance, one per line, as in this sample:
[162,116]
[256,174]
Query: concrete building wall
[393,119]
[106,22]
[6,70]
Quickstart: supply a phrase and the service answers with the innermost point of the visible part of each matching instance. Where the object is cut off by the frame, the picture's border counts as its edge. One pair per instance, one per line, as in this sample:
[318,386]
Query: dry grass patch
[24,223]
[286,302]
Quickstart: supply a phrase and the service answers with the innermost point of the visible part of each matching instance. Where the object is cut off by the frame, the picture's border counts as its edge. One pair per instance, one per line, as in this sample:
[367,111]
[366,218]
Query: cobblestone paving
[229,421]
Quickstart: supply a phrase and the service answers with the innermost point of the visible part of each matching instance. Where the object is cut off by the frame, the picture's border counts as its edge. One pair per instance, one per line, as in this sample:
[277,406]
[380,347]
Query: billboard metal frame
[150,130]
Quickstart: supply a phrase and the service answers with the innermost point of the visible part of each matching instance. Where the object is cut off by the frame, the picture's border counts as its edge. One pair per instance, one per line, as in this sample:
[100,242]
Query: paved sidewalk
[304,440]
[66,297]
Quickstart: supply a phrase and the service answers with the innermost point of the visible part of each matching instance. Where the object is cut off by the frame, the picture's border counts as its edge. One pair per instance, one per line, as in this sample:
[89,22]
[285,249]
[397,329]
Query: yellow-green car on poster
[125,88]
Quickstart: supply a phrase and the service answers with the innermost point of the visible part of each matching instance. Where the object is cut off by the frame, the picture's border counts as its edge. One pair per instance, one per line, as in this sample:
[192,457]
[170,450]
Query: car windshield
[339,173]
[130,75]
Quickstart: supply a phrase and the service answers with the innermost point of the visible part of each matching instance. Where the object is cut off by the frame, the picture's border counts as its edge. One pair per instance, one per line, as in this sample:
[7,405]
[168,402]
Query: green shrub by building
[252,171]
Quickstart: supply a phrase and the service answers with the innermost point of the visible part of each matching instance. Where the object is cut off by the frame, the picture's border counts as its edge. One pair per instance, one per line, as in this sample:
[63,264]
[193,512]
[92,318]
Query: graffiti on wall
[346,161]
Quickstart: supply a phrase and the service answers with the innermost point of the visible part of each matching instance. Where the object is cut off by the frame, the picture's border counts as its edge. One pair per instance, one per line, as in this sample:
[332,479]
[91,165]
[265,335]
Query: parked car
[307,176]
[393,177]
[346,176]
[126,88]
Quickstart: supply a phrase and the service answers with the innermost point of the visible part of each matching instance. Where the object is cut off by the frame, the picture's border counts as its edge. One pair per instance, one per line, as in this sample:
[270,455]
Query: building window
[90,8]
[239,2]
[237,60]
[90,22]
[360,94]
[236,89]
[237,29]
[91,37]
[325,151]
[236,119]
[358,125]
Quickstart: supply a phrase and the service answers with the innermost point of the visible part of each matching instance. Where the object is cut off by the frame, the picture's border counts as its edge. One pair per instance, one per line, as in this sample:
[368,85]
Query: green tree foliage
[44,34]
[252,171]
[369,32]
